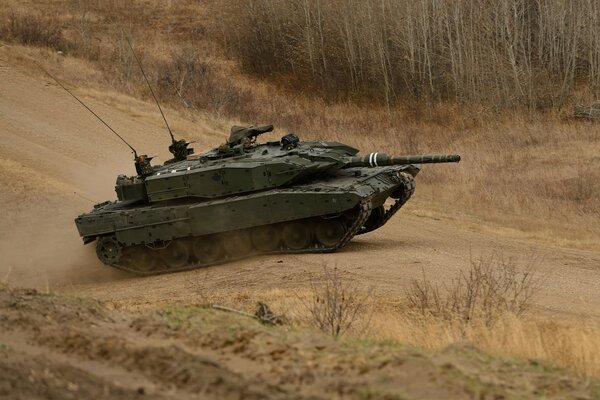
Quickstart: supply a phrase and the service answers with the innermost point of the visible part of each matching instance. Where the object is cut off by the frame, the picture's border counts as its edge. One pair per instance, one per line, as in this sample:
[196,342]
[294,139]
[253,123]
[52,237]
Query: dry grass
[34,29]
[572,343]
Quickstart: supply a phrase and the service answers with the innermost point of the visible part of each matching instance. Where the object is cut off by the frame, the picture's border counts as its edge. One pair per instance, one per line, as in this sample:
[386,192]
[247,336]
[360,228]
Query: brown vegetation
[34,29]
[503,53]
[571,344]
[335,305]
[492,287]
[492,307]
[502,329]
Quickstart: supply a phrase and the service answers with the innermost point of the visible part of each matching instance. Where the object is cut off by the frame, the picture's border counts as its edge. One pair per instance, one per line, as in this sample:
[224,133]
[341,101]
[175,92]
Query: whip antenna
[139,63]
[89,109]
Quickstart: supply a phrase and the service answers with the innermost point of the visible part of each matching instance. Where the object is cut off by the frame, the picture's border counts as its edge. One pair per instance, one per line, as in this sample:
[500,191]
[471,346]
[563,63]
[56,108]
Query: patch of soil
[60,347]
[24,377]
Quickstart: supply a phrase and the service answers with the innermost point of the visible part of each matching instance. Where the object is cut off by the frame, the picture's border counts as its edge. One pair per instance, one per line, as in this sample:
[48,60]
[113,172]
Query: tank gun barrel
[382,159]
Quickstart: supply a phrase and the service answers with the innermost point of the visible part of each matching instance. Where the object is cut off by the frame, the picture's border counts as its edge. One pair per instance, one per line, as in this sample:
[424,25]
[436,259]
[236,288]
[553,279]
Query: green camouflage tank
[246,198]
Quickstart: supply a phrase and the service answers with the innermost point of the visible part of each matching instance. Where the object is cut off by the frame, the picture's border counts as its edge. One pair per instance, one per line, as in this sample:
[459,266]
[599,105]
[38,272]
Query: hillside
[59,159]
[88,350]
[525,195]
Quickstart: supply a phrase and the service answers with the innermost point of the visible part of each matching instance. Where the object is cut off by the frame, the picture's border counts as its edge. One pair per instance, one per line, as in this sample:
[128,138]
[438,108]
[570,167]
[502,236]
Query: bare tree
[501,52]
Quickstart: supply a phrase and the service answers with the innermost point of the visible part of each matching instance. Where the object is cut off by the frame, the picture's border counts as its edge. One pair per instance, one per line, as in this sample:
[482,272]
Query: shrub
[335,304]
[491,287]
[34,30]
[197,83]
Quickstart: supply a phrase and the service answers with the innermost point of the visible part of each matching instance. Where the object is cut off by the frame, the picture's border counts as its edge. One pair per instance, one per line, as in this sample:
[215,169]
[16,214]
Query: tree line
[536,53]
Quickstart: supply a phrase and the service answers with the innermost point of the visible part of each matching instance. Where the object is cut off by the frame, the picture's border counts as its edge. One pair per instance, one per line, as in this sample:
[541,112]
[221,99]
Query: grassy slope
[69,347]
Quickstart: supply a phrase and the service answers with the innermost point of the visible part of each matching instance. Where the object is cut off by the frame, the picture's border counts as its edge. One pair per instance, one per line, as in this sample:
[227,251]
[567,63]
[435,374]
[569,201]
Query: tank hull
[321,215]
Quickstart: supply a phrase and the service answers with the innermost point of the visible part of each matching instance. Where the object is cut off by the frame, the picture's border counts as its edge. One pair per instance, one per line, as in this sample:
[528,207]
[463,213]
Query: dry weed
[491,287]
[335,304]
[200,289]
[33,29]
[571,343]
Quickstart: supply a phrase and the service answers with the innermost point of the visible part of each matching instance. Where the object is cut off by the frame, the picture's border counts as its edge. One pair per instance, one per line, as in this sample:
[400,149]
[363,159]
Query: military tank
[244,198]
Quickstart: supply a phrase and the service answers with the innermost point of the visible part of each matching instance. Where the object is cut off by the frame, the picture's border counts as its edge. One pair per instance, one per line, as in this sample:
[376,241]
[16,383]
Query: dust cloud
[56,162]
[39,243]
[44,250]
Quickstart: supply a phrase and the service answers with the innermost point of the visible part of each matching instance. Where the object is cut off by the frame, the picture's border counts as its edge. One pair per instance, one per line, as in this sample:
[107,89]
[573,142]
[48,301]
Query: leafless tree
[503,52]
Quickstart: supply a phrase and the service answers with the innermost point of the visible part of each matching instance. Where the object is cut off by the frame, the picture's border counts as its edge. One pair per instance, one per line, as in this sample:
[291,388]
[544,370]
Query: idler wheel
[207,249]
[108,250]
[237,243]
[266,238]
[330,232]
[145,259]
[296,235]
[176,255]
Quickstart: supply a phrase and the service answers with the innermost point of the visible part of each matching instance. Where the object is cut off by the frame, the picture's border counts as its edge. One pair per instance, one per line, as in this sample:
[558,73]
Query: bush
[34,30]
[492,286]
[197,83]
[335,304]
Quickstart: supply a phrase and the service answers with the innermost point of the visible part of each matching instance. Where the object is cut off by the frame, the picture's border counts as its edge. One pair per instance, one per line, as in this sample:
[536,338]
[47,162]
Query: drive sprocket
[108,250]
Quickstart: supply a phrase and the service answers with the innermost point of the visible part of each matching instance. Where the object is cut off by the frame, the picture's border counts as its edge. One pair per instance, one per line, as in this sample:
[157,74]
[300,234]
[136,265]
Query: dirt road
[57,160]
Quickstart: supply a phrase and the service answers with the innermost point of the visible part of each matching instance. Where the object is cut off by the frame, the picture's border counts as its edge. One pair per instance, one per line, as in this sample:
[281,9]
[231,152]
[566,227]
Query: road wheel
[176,255]
[266,238]
[330,232]
[296,235]
[207,249]
[237,243]
[144,259]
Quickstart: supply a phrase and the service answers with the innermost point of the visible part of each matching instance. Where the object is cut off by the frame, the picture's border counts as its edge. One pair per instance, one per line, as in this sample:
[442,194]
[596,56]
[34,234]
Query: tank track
[409,188]
[352,224]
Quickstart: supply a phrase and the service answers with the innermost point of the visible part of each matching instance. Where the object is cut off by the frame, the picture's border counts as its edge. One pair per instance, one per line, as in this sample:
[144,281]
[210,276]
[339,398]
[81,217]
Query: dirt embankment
[62,347]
